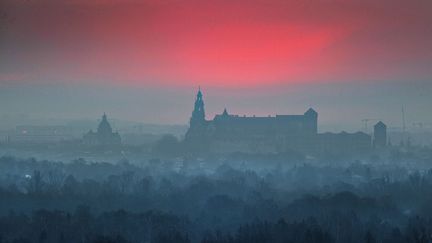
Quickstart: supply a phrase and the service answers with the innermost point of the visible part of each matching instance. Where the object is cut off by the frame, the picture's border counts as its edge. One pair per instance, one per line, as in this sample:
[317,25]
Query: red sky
[143,59]
[216,42]
[229,43]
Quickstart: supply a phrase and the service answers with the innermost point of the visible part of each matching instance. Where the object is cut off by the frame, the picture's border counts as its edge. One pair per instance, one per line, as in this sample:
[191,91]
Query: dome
[104,126]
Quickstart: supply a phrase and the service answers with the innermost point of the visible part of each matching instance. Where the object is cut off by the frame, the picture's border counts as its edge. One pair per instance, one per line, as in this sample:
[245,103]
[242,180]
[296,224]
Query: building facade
[229,133]
[380,135]
[103,136]
[33,134]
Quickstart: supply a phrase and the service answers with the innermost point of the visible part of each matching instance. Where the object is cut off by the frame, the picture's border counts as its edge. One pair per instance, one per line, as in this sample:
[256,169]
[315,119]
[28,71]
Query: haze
[143,60]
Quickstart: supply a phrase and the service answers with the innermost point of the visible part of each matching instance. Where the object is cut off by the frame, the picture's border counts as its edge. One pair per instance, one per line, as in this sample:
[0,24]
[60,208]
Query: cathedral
[104,135]
[229,133]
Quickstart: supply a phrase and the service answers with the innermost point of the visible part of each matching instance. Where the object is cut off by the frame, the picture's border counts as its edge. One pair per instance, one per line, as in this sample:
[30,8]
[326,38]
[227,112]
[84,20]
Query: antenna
[403,124]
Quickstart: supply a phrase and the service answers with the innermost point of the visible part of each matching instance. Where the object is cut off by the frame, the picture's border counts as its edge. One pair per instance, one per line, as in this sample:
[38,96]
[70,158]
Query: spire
[199,94]
[225,113]
[198,114]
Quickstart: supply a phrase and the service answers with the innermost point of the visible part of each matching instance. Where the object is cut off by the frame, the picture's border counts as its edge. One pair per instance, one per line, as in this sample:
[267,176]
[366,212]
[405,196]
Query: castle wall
[281,133]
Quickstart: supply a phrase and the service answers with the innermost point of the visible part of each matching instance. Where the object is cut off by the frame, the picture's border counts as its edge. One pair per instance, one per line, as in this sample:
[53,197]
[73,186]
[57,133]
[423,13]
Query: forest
[212,202]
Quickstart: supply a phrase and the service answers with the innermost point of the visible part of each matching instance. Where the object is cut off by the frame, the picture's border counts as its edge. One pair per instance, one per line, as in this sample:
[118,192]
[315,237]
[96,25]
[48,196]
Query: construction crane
[366,121]
[403,125]
[403,120]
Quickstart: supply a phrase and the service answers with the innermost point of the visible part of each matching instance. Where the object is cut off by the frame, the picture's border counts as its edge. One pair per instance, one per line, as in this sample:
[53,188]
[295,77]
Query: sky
[143,60]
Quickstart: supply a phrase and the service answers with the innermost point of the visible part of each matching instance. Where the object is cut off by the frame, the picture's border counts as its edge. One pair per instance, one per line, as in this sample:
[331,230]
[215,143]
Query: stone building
[380,135]
[229,133]
[103,136]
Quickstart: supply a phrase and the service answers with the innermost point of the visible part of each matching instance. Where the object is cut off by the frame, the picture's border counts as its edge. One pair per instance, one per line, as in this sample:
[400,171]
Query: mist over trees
[212,201]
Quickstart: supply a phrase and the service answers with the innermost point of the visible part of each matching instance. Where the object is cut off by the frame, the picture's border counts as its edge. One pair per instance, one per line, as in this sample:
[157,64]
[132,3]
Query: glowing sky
[236,49]
[215,42]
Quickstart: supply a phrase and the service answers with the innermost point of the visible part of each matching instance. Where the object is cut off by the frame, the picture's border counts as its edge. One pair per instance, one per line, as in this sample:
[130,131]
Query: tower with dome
[103,136]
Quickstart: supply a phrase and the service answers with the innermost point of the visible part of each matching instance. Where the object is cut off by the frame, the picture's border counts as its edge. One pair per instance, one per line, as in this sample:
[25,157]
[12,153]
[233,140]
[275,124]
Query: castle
[104,135]
[229,133]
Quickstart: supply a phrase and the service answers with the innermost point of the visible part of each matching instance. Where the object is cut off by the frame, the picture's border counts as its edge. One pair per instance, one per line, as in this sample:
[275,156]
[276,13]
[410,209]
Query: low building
[103,136]
[343,142]
[32,134]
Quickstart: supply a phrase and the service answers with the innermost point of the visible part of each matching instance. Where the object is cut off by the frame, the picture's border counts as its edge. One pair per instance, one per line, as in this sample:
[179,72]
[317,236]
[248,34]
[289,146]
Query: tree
[35,183]
[168,145]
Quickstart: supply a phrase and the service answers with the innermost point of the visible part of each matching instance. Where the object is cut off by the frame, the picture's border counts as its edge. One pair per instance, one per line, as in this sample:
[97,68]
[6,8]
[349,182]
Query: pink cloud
[217,42]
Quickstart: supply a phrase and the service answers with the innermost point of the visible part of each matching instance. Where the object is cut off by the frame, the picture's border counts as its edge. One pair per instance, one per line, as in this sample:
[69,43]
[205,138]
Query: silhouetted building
[343,142]
[198,125]
[228,133]
[380,135]
[103,136]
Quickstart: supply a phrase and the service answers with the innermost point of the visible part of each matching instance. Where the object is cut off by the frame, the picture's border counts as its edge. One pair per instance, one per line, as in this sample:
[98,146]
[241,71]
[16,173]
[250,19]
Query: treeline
[164,202]
[157,227]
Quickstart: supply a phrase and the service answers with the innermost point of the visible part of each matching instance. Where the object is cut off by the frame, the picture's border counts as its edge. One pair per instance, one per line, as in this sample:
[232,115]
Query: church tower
[197,133]
[198,114]
[103,136]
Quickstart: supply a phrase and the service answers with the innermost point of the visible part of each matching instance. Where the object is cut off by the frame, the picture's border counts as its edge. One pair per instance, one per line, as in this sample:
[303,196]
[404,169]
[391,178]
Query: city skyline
[351,60]
[166,106]
[215,121]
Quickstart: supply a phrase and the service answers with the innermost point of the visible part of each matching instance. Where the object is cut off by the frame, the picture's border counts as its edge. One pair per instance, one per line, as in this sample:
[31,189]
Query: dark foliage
[44,201]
